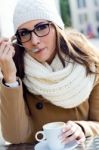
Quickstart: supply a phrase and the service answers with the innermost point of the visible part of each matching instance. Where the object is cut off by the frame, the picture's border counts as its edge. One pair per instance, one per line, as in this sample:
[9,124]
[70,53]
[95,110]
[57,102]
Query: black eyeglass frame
[33,30]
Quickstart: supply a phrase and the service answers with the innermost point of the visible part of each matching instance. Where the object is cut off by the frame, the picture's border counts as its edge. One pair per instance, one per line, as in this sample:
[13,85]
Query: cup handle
[42,139]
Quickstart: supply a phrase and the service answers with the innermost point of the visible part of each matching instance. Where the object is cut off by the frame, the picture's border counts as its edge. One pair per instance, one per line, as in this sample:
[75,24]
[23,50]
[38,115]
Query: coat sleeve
[16,124]
[91,126]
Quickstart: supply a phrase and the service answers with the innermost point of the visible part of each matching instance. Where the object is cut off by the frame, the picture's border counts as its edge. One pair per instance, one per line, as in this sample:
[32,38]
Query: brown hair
[19,59]
[77,48]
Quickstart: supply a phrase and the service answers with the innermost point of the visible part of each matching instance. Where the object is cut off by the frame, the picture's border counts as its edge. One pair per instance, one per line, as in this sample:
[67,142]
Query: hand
[7,64]
[71,132]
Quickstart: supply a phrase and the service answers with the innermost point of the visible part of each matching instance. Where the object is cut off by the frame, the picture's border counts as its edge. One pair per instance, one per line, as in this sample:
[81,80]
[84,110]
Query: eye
[24,33]
[42,27]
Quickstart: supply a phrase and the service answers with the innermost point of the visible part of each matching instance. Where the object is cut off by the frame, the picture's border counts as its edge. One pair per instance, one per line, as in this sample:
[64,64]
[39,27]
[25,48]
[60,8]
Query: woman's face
[45,45]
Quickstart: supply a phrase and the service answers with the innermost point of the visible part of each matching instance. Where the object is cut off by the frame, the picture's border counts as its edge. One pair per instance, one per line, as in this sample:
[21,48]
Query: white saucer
[43,146]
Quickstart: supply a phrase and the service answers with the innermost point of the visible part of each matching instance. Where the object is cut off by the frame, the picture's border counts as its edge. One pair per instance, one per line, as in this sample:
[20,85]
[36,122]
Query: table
[90,144]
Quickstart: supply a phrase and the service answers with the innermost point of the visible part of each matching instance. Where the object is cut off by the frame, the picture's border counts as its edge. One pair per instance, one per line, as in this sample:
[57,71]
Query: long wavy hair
[78,48]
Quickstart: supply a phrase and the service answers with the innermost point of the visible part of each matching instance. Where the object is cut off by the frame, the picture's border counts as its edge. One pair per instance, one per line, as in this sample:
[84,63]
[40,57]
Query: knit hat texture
[27,10]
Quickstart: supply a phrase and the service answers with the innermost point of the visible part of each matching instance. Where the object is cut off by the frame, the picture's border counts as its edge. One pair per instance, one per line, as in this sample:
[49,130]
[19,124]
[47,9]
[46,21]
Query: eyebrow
[40,23]
[34,25]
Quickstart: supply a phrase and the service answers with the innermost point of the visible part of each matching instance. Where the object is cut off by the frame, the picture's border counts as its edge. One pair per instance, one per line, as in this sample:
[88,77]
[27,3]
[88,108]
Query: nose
[35,39]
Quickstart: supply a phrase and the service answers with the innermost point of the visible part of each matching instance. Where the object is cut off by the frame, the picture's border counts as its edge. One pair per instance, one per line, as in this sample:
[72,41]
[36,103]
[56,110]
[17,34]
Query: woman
[48,75]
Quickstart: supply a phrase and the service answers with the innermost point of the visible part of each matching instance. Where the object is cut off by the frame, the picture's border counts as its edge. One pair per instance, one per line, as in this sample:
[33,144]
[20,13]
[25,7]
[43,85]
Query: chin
[41,60]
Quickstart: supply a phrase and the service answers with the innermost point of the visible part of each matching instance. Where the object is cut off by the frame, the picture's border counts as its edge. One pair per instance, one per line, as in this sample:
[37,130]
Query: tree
[65,12]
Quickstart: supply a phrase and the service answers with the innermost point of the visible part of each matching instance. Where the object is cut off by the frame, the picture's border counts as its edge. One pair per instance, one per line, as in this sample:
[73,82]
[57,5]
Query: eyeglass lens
[24,35]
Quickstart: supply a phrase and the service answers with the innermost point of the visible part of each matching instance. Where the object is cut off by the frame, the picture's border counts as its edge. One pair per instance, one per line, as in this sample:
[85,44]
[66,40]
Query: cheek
[26,45]
[51,41]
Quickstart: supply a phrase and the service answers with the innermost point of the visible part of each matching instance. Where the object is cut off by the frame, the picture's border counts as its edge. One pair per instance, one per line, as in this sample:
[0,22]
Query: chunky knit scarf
[65,87]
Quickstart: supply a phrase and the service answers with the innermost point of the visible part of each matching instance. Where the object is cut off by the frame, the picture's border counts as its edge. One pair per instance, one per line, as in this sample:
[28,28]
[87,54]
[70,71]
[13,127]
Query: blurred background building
[82,15]
[85,16]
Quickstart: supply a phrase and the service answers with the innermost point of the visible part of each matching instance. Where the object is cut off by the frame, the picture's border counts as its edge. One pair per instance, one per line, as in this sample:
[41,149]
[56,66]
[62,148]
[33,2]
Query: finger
[70,125]
[67,128]
[3,39]
[74,132]
[78,134]
[73,124]
[71,138]
[5,52]
[9,52]
[5,56]
[13,51]
[82,140]
[70,132]
[2,47]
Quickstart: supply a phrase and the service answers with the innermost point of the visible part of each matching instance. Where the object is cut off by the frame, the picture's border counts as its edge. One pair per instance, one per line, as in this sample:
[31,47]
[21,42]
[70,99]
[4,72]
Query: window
[81,3]
[97,15]
[83,18]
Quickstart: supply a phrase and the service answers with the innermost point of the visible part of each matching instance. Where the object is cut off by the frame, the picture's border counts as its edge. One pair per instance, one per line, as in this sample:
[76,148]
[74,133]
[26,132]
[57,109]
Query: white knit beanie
[27,10]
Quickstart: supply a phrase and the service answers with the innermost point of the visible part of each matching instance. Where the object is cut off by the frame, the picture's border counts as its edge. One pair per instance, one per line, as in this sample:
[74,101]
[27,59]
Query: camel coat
[20,126]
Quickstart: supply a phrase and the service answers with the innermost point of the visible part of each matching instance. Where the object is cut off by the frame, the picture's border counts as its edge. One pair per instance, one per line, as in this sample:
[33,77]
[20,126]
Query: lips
[37,50]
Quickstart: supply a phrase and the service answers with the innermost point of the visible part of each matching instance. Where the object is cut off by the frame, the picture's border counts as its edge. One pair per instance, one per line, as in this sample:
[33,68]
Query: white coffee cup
[51,132]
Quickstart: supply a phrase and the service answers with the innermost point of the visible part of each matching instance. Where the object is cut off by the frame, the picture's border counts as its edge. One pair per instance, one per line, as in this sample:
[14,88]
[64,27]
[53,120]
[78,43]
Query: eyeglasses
[25,35]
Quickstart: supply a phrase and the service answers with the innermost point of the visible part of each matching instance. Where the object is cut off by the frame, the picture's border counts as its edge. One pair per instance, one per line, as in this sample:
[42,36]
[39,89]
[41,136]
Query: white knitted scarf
[65,87]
